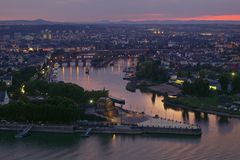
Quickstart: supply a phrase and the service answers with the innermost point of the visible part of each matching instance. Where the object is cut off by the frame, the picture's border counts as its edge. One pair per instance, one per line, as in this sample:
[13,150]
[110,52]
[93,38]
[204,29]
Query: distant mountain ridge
[45,22]
[27,22]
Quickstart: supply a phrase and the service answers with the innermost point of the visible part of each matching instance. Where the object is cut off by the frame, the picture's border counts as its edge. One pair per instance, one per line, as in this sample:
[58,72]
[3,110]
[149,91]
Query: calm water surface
[220,139]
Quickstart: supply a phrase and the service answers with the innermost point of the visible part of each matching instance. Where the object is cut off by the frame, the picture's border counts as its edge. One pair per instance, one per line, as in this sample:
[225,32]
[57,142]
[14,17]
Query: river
[220,138]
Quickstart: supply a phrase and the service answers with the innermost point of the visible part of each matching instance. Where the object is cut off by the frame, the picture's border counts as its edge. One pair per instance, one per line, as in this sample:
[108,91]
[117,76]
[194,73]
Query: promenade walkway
[165,123]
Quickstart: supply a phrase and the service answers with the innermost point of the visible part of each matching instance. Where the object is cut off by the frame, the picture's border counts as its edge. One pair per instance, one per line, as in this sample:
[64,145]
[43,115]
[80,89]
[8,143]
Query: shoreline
[204,110]
[104,129]
[160,89]
[152,89]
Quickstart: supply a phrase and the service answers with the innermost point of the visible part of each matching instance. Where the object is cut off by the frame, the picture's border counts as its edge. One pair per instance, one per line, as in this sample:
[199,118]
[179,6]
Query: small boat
[80,63]
[64,64]
[72,64]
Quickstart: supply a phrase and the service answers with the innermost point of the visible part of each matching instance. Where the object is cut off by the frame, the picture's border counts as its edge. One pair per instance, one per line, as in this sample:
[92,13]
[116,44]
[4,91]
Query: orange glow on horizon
[215,18]
[204,18]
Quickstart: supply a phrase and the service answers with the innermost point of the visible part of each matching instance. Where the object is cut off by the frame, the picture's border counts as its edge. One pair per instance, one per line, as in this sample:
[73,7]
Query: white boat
[80,63]
[88,63]
[65,64]
[72,64]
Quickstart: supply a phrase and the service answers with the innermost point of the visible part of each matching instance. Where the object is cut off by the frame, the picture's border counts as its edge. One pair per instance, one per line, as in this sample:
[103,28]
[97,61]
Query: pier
[165,126]
[147,126]
[24,132]
[86,134]
[85,128]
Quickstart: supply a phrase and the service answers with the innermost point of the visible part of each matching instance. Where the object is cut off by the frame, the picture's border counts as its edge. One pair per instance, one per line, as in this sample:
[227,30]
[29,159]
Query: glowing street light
[91,101]
[23,89]
[233,74]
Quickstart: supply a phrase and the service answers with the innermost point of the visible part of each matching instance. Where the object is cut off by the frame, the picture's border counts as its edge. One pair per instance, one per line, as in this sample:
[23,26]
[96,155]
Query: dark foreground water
[220,139]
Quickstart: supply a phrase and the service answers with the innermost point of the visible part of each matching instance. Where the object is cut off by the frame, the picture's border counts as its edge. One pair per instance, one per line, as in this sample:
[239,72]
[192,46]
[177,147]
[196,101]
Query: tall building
[47,34]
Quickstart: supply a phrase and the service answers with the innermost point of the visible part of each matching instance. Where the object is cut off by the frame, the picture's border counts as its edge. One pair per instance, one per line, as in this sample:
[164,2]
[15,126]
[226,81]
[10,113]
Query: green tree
[52,110]
[61,89]
[199,88]
[23,75]
[236,84]
[3,86]
[202,74]
[224,81]
[150,70]
[187,88]
[202,88]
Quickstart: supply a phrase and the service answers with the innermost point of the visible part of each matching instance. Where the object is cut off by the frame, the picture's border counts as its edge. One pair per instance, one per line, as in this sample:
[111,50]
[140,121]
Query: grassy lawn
[197,102]
[204,103]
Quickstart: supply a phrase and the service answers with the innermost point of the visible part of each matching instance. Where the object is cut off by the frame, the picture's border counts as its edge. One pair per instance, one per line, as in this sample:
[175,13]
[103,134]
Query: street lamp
[22,89]
[233,74]
[91,101]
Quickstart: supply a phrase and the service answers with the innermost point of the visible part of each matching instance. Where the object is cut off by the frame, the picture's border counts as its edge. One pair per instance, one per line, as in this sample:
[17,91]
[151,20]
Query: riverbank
[109,128]
[173,103]
[165,88]
[161,89]
[38,128]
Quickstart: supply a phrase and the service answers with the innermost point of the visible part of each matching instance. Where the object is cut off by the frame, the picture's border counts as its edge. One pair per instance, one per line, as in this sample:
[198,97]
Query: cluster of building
[188,42]
[177,47]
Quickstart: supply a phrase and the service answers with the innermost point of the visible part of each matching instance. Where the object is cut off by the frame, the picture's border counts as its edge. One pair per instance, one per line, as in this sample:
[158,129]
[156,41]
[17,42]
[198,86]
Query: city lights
[22,89]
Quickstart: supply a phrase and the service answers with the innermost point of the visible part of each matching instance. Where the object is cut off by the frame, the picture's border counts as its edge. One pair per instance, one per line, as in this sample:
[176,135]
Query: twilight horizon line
[113,10]
[229,18]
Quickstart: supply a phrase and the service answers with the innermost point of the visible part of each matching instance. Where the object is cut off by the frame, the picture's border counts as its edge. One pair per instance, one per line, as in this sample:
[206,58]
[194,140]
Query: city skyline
[141,10]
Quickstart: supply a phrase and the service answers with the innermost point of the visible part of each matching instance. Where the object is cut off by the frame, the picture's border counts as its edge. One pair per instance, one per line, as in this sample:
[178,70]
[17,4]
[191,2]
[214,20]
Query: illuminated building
[4,99]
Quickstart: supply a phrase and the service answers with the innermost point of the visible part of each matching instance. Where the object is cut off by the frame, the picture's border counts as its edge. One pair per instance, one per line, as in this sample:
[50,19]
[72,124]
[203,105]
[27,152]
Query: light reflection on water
[220,139]
[215,129]
[110,78]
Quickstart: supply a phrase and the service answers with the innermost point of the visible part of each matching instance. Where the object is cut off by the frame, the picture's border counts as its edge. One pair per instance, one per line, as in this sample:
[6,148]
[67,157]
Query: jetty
[133,125]
[24,132]
[86,134]
[146,126]
[166,126]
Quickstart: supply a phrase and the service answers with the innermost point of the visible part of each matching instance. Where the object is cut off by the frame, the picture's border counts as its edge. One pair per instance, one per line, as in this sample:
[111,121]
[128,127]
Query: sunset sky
[115,10]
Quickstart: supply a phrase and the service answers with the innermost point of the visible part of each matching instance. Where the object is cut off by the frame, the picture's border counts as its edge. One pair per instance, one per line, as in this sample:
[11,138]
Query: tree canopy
[61,89]
[53,110]
[150,70]
[199,88]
